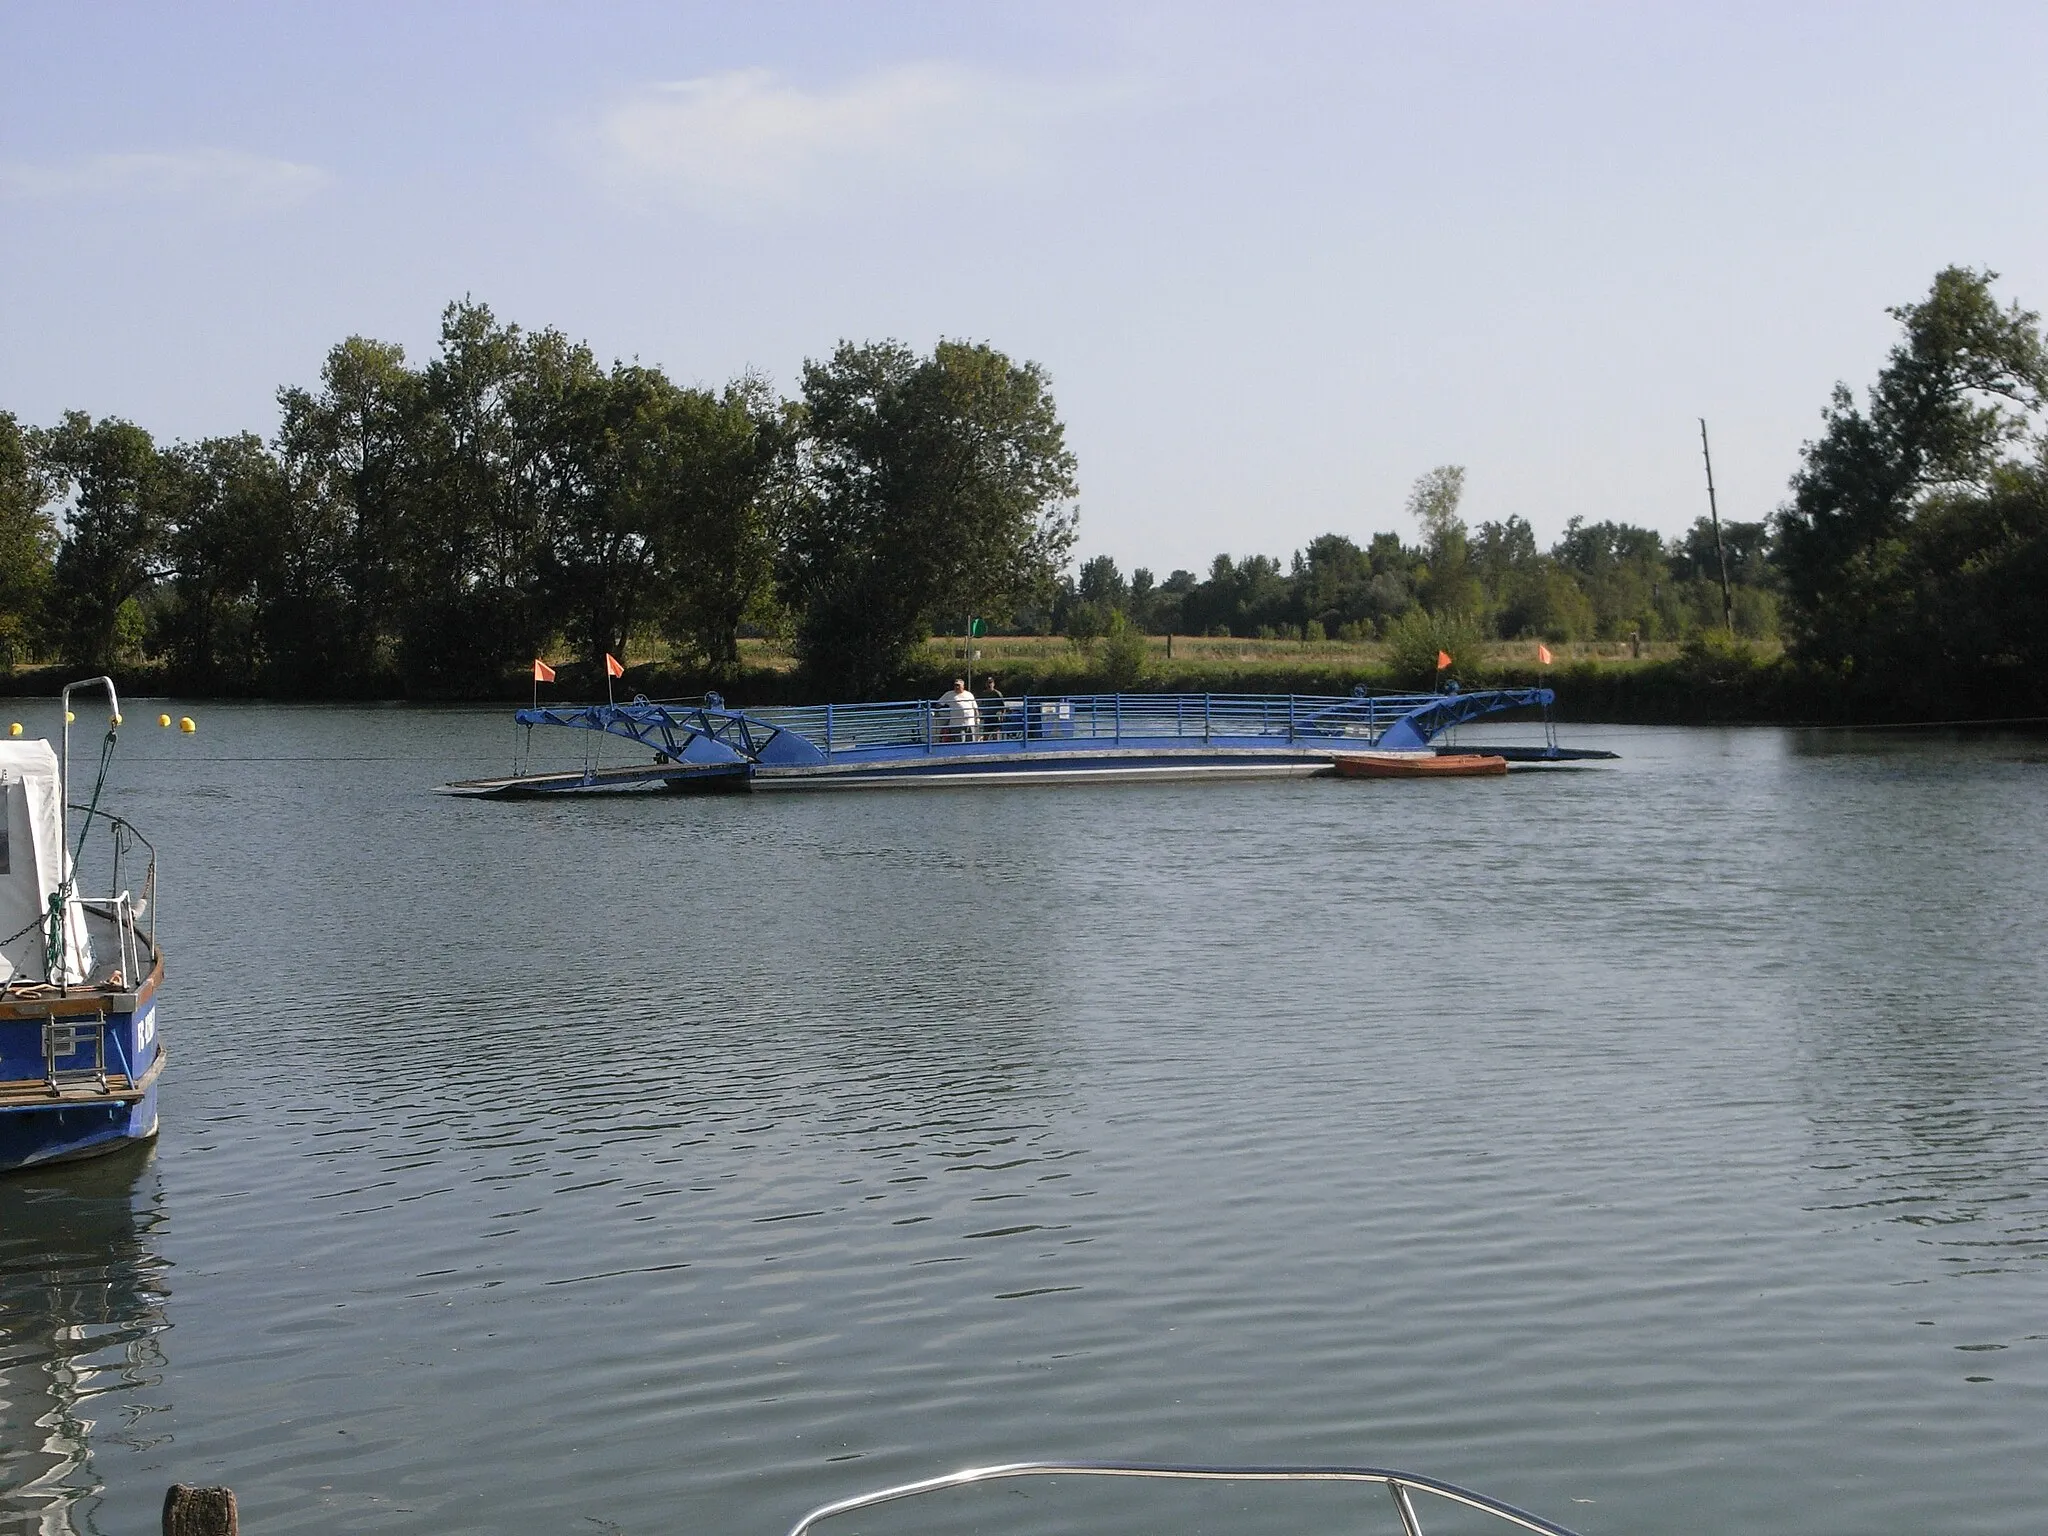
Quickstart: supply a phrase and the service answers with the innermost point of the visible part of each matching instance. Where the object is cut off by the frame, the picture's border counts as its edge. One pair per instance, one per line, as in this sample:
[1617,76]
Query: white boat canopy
[33,865]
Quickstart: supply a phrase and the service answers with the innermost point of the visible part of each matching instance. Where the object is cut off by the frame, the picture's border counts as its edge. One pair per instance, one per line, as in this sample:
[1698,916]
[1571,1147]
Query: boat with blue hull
[703,745]
[80,1049]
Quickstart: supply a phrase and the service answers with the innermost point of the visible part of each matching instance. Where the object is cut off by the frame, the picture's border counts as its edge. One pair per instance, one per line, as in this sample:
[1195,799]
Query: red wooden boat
[1418,765]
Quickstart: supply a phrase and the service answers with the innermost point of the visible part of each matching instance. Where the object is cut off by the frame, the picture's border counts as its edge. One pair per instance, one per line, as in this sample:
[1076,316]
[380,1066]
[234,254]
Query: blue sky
[1278,260]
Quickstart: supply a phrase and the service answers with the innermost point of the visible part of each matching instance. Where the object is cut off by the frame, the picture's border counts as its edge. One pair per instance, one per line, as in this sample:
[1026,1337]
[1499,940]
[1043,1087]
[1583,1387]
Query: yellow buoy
[163,719]
[113,719]
[185,724]
[14,729]
[70,718]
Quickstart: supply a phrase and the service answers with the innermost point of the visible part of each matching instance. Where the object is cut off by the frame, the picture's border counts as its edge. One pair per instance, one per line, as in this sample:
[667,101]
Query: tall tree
[113,535]
[331,592]
[1955,397]
[225,510]
[1450,586]
[28,543]
[476,517]
[707,487]
[924,490]
[587,433]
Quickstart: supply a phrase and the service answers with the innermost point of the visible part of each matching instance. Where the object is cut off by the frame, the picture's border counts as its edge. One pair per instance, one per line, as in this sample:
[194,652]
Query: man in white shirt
[961,715]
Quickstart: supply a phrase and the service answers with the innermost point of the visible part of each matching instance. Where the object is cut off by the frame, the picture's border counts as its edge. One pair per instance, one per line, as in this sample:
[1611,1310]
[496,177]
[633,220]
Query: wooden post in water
[1713,511]
[199,1511]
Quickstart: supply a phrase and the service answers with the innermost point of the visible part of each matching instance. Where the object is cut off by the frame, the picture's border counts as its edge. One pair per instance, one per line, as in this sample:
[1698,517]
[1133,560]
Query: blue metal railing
[712,732]
[1114,717]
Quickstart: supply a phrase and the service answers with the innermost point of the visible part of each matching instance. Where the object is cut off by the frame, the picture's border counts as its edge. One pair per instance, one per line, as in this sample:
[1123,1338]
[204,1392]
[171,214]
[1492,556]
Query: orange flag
[1543,653]
[613,667]
[1443,659]
[542,672]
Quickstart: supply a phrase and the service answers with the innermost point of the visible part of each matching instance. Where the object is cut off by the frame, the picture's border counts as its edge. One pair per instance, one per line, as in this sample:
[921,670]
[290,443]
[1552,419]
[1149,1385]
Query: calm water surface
[1659,1146]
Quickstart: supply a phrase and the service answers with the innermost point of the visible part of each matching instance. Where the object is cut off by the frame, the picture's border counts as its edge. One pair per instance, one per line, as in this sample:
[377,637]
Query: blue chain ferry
[80,1054]
[704,745]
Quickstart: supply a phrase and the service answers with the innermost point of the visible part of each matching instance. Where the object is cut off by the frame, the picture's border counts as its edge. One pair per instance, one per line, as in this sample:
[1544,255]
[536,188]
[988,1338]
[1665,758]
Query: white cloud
[747,141]
[220,179]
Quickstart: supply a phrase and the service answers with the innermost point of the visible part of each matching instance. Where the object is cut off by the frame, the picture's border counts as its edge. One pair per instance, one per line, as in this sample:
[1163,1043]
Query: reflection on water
[1650,1146]
[1918,906]
[82,1313]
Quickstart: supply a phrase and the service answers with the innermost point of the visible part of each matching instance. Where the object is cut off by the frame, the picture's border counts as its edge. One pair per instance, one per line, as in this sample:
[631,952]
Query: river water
[1658,1146]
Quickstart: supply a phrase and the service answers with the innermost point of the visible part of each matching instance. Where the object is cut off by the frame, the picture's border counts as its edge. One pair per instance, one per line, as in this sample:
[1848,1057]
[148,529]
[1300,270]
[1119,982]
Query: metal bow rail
[673,730]
[1401,1487]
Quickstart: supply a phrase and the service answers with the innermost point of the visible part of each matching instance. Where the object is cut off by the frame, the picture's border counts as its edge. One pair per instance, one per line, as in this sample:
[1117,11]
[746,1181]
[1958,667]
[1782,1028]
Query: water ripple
[633,1165]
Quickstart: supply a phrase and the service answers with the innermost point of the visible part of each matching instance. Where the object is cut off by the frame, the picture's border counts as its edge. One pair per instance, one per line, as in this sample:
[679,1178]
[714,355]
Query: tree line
[434,527]
[1601,581]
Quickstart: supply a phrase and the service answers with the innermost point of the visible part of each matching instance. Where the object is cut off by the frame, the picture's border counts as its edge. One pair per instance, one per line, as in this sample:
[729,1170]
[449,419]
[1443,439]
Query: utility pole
[1720,553]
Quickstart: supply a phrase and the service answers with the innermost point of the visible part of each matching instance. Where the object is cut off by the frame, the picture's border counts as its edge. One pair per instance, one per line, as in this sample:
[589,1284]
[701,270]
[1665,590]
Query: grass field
[1666,682]
[1210,657]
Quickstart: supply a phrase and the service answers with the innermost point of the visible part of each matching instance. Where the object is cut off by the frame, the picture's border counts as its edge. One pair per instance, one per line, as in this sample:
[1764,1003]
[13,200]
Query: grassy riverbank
[1666,683]
[1605,682]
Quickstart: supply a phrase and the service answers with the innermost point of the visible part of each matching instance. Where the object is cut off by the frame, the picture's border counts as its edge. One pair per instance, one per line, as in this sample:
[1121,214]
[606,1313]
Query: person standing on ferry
[997,708]
[961,716]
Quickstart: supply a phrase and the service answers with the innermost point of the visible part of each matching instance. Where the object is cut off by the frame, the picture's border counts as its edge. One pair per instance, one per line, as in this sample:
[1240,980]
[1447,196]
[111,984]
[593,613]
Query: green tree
[1976,623]
[476,517]
[225,511]
[1621,570]
[709,490]
[1103,584]
[1241,597]
[922,490]
[331,592]
[1084,607]
[568,487]
[1418,637]
[1144,601]
[1121,655]
[1332,581]
[28,543]
[118,491]
[1867,589]
[1450,586]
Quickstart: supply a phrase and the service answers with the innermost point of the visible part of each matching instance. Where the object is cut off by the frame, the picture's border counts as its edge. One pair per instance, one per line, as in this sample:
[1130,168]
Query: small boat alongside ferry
[1420,765]
[702,745]
[80,1053]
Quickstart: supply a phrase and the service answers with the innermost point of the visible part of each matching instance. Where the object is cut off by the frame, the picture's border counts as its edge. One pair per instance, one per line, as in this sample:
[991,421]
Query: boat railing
[1112,717]
[1401,1487]
[131,914]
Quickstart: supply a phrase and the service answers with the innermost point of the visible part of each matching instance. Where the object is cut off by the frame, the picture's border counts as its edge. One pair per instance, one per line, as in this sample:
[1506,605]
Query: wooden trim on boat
[34,1092]
[43,1001]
